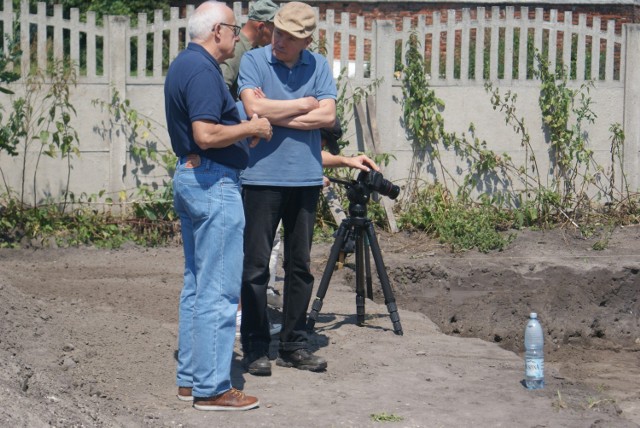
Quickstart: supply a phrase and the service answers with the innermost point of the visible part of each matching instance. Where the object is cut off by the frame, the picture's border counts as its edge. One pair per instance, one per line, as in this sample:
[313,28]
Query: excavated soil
[88,338]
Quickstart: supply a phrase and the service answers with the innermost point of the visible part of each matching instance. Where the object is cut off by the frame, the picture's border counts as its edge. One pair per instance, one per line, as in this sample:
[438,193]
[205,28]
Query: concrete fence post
[385,56]
[631,113]
[385,62]
[116,46]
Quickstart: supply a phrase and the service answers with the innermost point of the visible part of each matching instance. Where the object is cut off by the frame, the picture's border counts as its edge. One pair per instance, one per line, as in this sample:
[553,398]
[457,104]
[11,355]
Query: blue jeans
[208,202]
[264,207]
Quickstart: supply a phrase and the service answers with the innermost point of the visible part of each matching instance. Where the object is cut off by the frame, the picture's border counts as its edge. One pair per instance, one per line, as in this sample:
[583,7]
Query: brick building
[624,11]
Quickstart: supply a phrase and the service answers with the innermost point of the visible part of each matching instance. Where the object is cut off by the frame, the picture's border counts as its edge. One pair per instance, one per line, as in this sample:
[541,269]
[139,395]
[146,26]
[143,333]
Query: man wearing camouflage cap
[255,33]
[293,88]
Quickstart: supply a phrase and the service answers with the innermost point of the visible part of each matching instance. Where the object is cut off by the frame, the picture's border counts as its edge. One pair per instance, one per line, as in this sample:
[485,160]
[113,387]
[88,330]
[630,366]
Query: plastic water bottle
[534,353]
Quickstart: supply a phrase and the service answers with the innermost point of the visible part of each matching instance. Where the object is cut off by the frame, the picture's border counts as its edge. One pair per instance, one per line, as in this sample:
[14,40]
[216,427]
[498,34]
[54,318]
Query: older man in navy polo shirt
[205,131]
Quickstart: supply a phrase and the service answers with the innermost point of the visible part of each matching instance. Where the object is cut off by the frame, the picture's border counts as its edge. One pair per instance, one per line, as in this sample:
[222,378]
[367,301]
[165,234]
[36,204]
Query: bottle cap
[533,315]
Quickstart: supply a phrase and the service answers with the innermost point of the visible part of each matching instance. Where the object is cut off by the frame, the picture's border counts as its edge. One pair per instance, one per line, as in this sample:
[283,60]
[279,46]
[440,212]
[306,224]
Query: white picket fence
[464,36]
[466,47]
[481,34]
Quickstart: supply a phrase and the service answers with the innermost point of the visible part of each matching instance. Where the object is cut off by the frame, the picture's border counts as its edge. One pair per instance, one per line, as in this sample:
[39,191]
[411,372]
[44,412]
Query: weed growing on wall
[37,126]
[40,122]
[421,113]
[152,204]
[564,113]
[456,219]
[494,193]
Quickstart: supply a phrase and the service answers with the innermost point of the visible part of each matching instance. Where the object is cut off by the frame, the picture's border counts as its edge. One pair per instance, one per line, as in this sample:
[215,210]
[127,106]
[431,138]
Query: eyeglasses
[236,28]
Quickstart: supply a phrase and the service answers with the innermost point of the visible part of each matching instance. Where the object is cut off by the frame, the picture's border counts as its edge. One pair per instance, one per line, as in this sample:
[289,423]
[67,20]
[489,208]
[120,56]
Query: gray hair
[204,18]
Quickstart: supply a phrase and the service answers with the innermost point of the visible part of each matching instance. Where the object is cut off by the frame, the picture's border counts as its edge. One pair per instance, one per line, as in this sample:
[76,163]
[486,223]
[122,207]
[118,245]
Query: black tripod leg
[328,271]
[367,267]
[359,276]
[389,299]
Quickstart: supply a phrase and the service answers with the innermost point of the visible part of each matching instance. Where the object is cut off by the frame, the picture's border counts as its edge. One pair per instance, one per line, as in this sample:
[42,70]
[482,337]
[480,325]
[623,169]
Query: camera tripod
[358,226]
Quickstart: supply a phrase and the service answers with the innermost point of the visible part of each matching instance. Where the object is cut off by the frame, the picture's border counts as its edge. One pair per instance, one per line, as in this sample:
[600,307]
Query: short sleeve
[205,102]
[249,74]
[325,84]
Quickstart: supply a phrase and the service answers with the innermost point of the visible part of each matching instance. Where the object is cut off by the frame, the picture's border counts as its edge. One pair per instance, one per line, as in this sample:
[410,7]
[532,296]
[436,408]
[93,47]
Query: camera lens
[377,182]
[392,190]
[386,188]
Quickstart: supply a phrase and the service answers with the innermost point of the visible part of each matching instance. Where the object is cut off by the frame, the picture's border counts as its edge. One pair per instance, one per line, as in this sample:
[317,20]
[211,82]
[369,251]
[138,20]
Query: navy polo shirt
[194,89]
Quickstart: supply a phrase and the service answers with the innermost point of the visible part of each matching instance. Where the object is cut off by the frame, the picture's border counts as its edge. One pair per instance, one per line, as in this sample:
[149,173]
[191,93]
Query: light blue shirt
[292,157]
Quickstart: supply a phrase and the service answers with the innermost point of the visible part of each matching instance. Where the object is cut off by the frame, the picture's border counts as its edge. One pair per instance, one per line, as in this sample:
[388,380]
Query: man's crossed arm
[301,113]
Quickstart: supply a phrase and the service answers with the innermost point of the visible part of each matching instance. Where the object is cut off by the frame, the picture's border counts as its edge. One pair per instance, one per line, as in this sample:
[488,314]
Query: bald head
[205,17]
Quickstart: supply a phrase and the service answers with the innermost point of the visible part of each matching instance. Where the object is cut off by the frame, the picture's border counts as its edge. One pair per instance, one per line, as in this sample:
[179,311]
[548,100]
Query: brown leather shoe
[231,400]
[185,393]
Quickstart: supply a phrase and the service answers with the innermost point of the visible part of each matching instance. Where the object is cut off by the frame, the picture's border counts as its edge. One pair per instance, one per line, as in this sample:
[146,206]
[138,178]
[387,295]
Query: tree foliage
[106,7]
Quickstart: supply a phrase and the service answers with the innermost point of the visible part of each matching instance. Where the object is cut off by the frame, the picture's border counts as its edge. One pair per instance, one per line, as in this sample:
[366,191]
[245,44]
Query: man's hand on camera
[362,162]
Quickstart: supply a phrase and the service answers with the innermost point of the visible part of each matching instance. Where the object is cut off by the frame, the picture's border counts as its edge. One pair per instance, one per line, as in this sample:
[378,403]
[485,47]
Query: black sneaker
[257,364]
[301,359]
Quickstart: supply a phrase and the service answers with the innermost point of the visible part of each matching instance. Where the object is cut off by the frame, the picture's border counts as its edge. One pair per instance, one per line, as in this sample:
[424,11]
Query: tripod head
[359,190]
[358,195]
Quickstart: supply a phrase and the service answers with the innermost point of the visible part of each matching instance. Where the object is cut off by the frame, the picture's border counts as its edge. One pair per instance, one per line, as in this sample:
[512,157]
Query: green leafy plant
[42,118]
[386,417]
[106,7]
[493,192]
[421,112]
[10,55]
[456,222]
[9,60]
[452,219]
[568,141]
[151,202]
[564,112]
[595,402]
[47,225]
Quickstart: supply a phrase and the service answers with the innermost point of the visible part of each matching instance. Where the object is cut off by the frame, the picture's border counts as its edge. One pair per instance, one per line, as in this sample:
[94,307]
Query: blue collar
[202,51]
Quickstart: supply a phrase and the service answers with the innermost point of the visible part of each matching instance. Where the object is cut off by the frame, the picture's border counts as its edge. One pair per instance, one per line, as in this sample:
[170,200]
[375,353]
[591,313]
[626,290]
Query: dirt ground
[88,338]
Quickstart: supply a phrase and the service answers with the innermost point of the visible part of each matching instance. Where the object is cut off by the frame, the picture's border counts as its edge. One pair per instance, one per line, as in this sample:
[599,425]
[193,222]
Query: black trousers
[264,207]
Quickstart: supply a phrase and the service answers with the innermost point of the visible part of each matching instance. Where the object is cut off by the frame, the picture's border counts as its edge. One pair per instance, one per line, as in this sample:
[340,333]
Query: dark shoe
[231,400]
[301,359]
[184,393]
[257,364]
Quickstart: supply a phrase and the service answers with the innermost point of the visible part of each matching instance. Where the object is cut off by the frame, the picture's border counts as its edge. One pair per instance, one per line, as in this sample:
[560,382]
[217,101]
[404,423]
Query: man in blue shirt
[205,131]
[295,90]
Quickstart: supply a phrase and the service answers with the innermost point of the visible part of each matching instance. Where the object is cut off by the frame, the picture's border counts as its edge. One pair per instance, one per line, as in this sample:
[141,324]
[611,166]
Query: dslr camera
[376,182]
